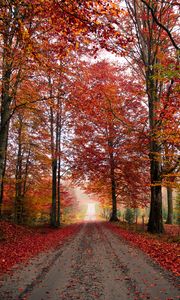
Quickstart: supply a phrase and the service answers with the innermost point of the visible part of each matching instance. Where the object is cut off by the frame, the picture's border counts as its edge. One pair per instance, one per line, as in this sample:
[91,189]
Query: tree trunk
[114,201]
[58,147]
[59,193]
[155,224]
[5,113]
[170,206]
[19,185]
[3,150]
[4,128]
[53,219]
[54,192]
[114,217]
[26,171]
[53,166]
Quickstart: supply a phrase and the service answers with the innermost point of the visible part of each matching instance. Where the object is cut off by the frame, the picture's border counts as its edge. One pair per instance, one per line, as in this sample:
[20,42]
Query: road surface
[94,264]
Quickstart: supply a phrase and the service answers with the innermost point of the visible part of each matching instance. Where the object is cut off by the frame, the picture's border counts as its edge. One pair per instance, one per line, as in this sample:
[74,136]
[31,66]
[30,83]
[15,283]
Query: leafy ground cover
[172,230]
[164,253]
[171,234]
[18,243]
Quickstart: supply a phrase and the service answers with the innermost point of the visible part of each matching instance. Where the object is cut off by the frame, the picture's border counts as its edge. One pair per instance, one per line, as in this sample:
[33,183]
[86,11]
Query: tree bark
[53,167]
[114,200]
[5,110]
[54,192]
[155,224]
[26,171]
[3,149]
[58,148]
[59,193]
[114,217]
[170,206]
[18,207]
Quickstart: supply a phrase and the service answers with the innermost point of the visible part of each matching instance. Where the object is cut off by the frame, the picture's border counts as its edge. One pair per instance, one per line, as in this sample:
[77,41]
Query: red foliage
[172,230]
[164,253]
[18,243]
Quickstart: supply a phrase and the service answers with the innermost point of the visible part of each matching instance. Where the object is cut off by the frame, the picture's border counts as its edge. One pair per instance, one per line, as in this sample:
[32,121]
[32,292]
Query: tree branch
[161,25]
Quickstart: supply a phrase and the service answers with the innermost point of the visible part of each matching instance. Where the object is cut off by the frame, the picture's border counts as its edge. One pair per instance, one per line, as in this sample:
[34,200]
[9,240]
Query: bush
[129,215]
[118,213]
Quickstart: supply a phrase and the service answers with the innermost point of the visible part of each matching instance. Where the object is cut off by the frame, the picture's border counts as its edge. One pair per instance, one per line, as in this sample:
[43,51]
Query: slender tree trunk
[59,176]
[54,171]
[4,129]
[24,186]
[18,196]
[54,192]
[170,205]
[58,148]
[26,171]
[3,150]
[59,193]
[113,187]
[114,201]
[5,112]
[5,102]
[53,220]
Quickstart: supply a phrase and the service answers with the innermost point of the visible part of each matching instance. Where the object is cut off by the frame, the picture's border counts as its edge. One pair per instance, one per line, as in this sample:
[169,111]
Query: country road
[94,264]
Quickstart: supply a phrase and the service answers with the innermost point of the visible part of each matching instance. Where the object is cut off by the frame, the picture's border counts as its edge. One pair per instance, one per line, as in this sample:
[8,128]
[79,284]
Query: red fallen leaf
[164,253]
[22,243]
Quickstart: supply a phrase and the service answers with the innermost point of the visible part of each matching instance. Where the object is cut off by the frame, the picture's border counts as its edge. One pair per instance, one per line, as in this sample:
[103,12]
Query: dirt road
[95,264]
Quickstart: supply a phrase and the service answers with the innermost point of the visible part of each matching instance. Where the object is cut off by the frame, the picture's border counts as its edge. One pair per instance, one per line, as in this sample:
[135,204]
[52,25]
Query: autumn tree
[151,42]
[29,30]
[27,162]
[58,118]
[106,146]
[13,48]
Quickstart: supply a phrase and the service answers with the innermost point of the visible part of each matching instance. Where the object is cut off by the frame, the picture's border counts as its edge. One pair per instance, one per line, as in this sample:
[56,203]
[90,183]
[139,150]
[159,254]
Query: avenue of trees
[112,127]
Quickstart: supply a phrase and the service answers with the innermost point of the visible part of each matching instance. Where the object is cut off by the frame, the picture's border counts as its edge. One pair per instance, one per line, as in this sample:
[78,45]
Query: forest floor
[97,261]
